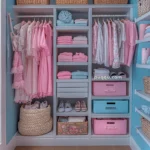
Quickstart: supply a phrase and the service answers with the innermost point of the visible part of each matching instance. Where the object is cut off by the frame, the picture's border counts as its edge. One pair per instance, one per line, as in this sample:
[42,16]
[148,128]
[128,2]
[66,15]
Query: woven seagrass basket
[110,1]
[32,2]
[146,127]
[63,2]
[143,7]
[34,122]
[147,85]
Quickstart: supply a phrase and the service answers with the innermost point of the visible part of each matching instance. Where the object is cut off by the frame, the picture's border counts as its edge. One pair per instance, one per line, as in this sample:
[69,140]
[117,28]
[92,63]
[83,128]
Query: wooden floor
[76,148]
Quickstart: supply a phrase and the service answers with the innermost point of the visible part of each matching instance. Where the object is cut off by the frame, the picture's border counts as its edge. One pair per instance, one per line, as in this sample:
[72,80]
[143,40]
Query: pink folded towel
[80,38]
[66,54]
[79,60]
[64,73]
[64,43]
[64,77]
[80,57]
[64,37]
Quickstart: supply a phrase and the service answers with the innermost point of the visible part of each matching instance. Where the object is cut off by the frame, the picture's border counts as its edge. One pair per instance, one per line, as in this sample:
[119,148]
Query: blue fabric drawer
[110,106]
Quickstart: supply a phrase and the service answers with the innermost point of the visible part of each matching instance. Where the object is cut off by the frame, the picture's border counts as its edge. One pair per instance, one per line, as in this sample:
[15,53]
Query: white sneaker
[61,107]
[68,107]
[37,104]
[43,104]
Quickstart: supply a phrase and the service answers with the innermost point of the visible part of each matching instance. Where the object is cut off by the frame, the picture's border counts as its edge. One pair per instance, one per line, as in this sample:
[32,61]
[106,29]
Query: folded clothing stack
[65,57]
[64,75]
[147,33]
[80,57]
[72,119]
[80,40]
[61,23]
[81,22]
[64,40]
[79,75]
[101,72]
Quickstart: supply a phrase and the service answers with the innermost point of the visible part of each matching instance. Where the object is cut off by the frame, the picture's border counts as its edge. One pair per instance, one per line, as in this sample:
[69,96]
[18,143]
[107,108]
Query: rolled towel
[65,16]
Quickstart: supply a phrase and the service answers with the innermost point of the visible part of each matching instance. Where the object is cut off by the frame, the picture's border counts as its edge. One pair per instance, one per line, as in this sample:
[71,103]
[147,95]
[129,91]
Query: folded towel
[81,21]
[80,38]
[76,119]
[66,54]
[77,24]
[79,77]
[64,73]
[79,60]
[64,77]
[79,73]
[101,70]
[63,23]
[64,60]
[79,42]
[64,43]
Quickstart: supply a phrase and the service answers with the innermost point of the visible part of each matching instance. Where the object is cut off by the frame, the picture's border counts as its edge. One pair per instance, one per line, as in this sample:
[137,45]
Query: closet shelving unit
[139,93]
[89,12]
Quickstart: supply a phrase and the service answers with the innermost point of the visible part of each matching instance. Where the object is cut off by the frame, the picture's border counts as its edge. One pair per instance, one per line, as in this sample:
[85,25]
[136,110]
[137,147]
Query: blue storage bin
[110,106]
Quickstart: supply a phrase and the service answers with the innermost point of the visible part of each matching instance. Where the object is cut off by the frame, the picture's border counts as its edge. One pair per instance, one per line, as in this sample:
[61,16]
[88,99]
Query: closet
[82,89]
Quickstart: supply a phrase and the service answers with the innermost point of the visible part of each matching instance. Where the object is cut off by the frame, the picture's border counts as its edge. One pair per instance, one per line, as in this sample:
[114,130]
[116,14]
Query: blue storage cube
[110,106]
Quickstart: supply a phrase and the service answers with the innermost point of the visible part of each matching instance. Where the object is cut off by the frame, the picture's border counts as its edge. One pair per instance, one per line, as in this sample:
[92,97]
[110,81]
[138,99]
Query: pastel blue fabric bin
[110,106]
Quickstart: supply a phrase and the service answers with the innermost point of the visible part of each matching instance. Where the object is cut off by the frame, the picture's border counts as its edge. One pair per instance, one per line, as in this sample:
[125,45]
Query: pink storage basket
[110,126]
[109,89]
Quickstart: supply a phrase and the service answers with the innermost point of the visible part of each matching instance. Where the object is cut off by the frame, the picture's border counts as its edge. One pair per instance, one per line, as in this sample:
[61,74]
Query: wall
[138,75]
[11,107]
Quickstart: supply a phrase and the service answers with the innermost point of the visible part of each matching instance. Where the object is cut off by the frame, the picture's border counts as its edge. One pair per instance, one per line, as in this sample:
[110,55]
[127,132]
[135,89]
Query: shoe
[61,107]
[78,106]
[122,75]
[43,104]
[68,107]
[83,106]
[37,104]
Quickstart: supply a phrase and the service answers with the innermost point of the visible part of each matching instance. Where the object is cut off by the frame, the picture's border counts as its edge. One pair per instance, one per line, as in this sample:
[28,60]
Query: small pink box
[110,126]
[109,89]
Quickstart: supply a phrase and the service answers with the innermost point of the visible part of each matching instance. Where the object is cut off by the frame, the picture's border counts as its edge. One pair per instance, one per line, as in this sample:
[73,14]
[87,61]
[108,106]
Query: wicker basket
[61,2]
[147,85]
[35,2]
[110,1]
[143,7]
[145,127]
[34,122]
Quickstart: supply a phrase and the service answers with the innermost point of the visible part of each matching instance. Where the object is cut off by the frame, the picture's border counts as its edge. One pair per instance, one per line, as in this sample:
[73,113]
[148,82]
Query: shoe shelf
[140,112]
[140,132]
[143,95]
[72,113]
[115,80]
[143,66]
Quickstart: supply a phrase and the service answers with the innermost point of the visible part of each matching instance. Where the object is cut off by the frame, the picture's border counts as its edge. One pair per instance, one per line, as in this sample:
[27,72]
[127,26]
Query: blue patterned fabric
[79,77]
[65,16]
[79,73]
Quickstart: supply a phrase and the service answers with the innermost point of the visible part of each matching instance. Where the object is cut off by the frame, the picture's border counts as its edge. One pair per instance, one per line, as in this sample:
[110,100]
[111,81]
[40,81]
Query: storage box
[109,89]
[110,126]
[110,106]
[72,128]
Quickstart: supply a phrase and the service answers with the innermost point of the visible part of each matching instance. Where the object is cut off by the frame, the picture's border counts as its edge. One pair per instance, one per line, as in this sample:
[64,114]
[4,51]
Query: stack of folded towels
[81,22]
[147,33]
[80,40]
[64,75]
[72,119]
[79,75]
[65,57]
[69,57]
[101,72]
[64,40]
[80,57]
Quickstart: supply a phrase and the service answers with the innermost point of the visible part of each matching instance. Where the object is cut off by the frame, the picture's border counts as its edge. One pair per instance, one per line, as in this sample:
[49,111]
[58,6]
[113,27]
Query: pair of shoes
[80,106]
[64,107]
[36,105]
[114,75]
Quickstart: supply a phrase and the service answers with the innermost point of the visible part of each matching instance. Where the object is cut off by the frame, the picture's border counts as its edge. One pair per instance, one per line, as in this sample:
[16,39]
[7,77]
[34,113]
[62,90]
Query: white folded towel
[76,119]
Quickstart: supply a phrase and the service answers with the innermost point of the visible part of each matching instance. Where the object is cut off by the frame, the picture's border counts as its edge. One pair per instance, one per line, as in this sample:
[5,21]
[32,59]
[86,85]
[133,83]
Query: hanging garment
[110,44]
[95,37]
[99,58]
[116,61]
[106,52]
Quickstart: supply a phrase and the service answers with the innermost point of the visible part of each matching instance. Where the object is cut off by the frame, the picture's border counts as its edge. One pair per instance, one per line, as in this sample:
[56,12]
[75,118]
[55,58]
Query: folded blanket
[79,73]
[79,42]
[66,54]
[64,73]
[79,77]
[64,77]
[76,119]
[80,38]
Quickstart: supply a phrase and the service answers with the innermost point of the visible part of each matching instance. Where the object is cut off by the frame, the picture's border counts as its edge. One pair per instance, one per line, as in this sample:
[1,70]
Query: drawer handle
[110,122]
[109,84]
[112,108]
[111,103]
[108,91]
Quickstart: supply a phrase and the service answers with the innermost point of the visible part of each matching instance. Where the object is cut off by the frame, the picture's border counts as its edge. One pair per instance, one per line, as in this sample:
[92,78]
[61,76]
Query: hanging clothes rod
[35,16]
[109,15]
